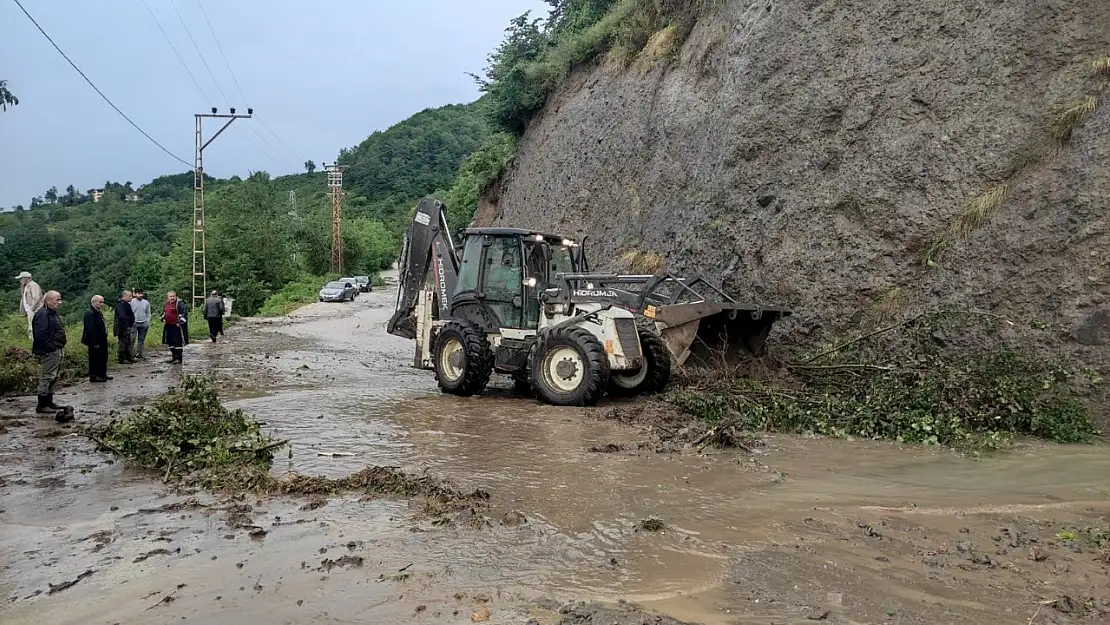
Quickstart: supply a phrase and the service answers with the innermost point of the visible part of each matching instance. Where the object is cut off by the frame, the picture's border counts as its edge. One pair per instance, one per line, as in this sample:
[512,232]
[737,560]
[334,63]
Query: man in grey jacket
[214,313]
[141,307]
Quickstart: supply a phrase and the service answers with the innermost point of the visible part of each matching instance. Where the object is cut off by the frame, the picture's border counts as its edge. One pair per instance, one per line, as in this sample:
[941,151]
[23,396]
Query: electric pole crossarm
[221,130]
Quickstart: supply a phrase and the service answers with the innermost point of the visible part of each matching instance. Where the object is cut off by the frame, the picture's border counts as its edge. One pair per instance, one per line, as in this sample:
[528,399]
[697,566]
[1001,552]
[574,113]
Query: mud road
[798,531]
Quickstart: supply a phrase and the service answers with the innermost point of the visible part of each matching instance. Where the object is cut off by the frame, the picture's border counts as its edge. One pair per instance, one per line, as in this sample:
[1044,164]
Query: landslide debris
[963,379]
[192,440]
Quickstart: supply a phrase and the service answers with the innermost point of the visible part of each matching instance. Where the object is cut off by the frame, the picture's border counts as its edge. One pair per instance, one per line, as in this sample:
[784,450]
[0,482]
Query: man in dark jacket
[49,339]
[95,336]
[214,313]
[123,327]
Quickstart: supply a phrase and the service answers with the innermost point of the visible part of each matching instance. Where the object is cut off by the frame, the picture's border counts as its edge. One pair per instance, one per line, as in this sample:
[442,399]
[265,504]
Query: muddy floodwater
[798,531]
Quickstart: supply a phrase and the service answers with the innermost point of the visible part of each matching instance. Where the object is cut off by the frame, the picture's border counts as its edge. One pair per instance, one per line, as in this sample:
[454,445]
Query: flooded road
[800,531]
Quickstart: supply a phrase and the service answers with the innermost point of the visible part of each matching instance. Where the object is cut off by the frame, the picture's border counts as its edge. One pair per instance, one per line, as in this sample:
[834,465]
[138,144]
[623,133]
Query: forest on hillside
[139,236]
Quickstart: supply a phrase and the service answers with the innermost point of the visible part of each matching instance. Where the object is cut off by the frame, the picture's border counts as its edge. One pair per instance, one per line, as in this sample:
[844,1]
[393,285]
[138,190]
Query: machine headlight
[530,282]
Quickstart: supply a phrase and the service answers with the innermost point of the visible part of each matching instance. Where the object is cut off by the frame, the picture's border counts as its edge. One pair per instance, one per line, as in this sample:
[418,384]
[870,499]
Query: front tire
[569,367]
[652,377]
[463,359]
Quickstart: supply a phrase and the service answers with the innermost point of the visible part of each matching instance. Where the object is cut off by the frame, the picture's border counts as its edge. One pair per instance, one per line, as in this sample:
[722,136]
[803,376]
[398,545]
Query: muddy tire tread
[593,355]
[479,358]
[658,361]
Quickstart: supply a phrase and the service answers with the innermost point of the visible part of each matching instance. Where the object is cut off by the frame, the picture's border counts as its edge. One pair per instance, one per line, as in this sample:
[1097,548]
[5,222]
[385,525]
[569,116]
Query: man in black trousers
[95,336]
[123,327]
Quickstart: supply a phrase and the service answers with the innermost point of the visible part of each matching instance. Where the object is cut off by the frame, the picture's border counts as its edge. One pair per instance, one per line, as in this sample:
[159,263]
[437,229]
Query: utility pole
[200,262]
[336,193]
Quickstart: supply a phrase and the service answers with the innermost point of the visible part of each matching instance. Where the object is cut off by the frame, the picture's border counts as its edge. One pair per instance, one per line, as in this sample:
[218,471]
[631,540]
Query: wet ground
[800,531]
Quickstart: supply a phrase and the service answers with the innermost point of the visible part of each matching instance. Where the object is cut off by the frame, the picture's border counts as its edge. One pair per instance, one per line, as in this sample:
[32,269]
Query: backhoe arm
[428,263]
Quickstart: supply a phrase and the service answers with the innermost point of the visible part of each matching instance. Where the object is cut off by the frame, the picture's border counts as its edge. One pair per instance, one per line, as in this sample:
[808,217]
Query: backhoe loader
[525,304]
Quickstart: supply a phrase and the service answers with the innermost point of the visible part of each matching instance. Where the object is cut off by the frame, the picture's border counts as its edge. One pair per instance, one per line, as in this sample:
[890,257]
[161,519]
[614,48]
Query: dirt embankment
[851,159]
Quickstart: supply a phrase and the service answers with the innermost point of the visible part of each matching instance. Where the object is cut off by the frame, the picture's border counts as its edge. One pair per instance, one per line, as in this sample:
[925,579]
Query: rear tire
[654,375]
[569,367]
[463,359]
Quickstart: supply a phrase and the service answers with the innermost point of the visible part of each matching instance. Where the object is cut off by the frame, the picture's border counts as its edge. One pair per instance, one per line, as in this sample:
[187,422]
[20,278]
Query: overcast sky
[320,75]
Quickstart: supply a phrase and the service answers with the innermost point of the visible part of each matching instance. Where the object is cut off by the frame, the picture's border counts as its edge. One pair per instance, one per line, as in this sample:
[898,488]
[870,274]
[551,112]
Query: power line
[278,137]
[193,77]
[243,95]
[227,102]
[221,49]
[180,59]
[97,89]
[271,146]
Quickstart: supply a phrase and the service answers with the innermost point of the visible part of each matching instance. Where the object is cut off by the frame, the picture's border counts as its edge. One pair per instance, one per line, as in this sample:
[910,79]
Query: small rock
[1066,604]
[483,597]
[113,508]
[1094,329]
[421,608]
[513,519]
[480,615]
[300,602]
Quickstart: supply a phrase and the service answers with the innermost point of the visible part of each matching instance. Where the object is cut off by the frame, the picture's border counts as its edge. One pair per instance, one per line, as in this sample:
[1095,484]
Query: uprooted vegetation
[191,439]
[956,379]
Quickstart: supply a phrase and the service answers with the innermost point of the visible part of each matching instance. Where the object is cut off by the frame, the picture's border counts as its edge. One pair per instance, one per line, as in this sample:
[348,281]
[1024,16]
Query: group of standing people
[131,323]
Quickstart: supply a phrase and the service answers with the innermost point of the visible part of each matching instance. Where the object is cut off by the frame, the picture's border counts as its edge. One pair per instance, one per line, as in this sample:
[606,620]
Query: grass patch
[639,261]
[951,379]
[1101,66]
[979,210]
[1068,118]
[292,296]
[19,368]
[1055,136]
[661,46]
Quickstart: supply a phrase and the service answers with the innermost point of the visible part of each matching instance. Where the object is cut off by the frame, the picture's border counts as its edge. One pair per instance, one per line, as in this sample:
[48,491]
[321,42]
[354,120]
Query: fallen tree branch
[844,366]
[96,440]
[267,447]
[861,338]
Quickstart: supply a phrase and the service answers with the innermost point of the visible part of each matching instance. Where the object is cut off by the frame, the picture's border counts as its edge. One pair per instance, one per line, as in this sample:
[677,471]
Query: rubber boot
[51,404]
[44,405]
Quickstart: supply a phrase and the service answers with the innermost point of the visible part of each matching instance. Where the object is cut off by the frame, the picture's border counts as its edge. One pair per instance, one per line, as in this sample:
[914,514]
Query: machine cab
[503,271]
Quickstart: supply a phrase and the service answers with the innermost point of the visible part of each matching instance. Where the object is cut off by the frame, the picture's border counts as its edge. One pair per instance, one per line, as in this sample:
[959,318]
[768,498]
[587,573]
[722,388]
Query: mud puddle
[799,531]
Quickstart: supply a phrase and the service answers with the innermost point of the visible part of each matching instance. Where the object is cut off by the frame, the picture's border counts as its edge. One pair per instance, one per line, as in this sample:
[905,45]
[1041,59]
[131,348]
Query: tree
[36,202]
[71,195]
[310,166]
[51,195]
[7,98]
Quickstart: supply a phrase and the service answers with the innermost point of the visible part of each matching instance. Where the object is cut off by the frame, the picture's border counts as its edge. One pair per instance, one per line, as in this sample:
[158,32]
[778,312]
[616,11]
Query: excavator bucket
[715,333]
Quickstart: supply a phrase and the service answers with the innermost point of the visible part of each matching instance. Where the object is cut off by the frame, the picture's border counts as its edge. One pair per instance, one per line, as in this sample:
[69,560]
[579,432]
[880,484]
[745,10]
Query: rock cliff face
[812,152]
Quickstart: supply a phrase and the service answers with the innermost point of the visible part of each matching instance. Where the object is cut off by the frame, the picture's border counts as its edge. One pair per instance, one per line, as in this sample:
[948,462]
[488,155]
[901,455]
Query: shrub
[293,295]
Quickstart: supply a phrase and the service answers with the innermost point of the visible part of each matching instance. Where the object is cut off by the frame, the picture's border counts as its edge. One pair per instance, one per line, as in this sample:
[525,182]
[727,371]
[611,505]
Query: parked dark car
[364,283]
[338,292]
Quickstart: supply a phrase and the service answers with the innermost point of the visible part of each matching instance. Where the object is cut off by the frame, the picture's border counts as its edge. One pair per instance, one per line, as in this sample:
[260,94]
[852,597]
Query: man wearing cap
[30,296]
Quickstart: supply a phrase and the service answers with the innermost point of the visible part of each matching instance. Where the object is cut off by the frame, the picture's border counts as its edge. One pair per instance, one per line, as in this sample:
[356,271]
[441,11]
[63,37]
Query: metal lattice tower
[336,193]
[200,260]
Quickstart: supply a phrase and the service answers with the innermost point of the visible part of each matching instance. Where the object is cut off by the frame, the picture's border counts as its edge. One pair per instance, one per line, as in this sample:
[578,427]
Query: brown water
[782,537]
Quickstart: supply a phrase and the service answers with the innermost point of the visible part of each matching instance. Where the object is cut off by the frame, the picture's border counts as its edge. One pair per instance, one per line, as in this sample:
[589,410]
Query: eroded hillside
[854,159]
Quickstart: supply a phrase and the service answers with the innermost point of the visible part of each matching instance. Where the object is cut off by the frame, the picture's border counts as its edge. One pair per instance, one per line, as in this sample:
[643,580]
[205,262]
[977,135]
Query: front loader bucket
[711,333]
